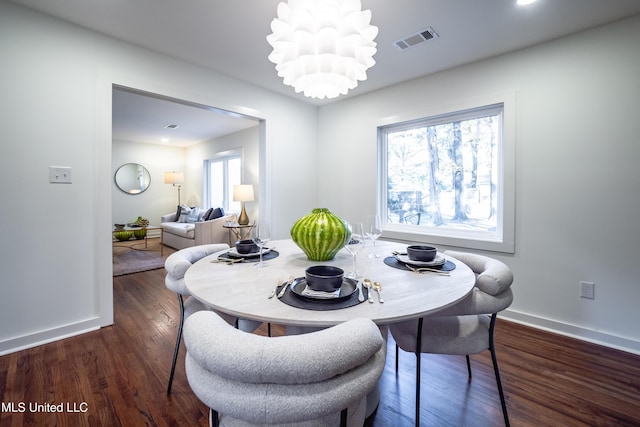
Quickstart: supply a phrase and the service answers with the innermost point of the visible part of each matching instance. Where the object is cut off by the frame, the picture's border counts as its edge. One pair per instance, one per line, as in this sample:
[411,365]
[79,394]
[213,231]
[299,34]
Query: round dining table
[241,289]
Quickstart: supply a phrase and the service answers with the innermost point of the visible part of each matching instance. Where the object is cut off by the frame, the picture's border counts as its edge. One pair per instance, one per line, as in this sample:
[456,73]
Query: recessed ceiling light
[172,126]
[524,2]
[165,140]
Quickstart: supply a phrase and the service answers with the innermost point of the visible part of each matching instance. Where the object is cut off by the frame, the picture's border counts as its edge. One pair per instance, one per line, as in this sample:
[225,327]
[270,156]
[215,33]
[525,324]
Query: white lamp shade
[174,177]
[243,193]
[322,48]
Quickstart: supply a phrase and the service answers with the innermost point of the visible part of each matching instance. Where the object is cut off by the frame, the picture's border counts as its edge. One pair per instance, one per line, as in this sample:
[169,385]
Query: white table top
[242,289]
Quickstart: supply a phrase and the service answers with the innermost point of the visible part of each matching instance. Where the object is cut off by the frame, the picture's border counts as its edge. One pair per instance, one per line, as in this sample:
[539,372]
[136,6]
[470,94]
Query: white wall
[577,178]
[160,198]
[56,82]
[577,174]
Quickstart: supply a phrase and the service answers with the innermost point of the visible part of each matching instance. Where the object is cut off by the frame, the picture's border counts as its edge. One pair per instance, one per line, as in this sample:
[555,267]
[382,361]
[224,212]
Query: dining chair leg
[343,417]
[397,355]
[468,366]
[418,354]
[214,419]
[494,359]
[175,352]
[269,329]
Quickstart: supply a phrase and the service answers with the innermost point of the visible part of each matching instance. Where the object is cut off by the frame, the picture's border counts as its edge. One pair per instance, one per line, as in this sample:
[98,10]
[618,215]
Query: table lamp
[243,193]
[176,179]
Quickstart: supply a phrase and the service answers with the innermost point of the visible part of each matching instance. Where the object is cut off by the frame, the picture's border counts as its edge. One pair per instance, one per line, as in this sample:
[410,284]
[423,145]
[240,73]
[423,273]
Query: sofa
[194,226]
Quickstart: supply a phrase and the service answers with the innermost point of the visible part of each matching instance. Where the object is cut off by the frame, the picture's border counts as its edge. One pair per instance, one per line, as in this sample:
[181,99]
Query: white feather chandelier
[322,47]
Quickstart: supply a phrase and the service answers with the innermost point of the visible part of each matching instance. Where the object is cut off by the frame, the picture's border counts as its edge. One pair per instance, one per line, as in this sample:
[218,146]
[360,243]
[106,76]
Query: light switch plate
[59,174]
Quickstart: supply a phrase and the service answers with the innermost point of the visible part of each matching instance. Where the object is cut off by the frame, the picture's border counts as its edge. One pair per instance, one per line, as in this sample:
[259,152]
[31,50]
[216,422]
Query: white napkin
[308,292]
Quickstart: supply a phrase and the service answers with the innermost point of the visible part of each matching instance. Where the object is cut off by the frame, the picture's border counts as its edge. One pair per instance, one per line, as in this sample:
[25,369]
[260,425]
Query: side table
[241,232]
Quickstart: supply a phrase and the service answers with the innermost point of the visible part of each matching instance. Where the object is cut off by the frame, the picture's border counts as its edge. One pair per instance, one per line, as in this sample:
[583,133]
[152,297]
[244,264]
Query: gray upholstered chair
[317,379]
[176,266]
[464,328]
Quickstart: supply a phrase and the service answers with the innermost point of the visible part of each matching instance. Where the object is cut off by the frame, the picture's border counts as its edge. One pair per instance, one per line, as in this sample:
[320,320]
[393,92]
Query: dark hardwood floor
[118,377]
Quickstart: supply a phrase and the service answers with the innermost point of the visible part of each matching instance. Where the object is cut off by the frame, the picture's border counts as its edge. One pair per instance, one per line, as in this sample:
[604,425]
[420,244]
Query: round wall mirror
[132,178]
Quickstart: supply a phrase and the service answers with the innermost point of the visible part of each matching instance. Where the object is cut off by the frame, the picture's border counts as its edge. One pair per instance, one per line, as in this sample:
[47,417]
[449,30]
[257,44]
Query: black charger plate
[298,301]
[392,261]
[265,257]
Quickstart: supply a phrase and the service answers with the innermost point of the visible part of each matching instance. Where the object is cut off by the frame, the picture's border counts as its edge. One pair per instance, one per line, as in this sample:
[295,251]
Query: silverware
[228,261]
[284,288]
[378,288]
[273,292]
[427,270]
[421,269]
[360,293]
[367,284]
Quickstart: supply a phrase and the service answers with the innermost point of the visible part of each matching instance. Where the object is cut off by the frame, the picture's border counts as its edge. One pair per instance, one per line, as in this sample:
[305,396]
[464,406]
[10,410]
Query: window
[443,179]
[221,174]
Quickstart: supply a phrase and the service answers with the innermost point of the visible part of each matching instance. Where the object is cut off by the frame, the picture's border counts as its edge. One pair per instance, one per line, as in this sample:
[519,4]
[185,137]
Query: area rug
[132,257]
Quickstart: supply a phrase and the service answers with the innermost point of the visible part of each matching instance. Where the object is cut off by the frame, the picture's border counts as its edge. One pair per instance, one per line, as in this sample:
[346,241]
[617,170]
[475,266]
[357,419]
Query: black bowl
[421,253]
[324,277]
[246,247]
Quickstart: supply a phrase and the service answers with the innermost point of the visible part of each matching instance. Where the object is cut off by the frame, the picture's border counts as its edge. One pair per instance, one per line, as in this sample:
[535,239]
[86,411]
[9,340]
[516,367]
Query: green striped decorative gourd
[123,235]
[320,234]
[140,233]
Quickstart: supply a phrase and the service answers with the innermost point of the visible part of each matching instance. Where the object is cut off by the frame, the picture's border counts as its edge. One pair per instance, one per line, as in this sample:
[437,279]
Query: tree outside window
[443,173]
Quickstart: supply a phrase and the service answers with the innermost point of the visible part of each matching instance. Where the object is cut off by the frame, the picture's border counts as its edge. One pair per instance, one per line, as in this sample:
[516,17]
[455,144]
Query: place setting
[323,287]
[420,259]
[251,250]
[246,251]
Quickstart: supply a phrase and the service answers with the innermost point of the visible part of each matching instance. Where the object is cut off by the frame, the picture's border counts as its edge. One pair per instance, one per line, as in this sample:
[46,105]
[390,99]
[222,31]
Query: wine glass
[373,230]
[354,245]
[261,235]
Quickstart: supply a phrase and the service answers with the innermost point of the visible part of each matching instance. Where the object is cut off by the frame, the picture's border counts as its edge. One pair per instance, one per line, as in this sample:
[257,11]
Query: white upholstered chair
[176,266]
[317,379]
[464,328]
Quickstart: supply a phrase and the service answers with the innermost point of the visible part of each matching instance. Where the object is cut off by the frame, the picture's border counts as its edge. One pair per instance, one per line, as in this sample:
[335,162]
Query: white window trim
[207,174]
[504,243]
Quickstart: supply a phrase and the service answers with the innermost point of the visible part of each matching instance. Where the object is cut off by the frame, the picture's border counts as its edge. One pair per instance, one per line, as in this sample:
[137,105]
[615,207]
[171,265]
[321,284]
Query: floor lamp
[243,193]
[176,179]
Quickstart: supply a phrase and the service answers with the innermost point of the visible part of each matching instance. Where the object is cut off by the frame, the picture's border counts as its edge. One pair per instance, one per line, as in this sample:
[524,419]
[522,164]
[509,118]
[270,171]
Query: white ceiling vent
[416,38]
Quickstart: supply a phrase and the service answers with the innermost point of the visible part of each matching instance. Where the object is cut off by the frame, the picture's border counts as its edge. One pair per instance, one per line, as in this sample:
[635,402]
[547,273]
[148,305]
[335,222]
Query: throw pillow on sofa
[217,213]
[193,215]
[205,216]
[184,213]
[213,214]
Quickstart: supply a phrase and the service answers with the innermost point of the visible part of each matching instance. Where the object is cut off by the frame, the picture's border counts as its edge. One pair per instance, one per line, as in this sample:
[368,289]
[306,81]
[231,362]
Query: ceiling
[149,119]
[229,35]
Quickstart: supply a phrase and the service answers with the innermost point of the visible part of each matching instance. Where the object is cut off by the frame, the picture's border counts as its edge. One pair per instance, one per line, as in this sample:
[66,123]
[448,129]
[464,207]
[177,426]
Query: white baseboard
[589,335]
[44,337]
[50,335]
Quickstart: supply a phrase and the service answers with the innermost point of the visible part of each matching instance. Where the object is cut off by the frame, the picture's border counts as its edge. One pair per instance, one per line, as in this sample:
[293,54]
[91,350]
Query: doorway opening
[167,134]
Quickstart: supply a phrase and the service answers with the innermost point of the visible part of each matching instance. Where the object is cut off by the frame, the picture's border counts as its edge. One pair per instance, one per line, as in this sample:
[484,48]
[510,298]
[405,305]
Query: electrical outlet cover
[587,290]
